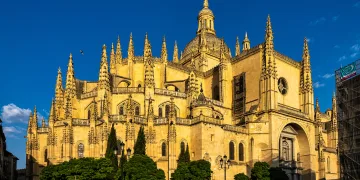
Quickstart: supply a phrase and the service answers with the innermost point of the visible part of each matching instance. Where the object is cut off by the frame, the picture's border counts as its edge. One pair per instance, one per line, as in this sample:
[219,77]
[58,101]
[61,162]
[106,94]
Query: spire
[52,112]
[246,42]
[104,72]
[334,112]
[206,4]
[306,79]
[70,79]
[59,91]
[131,53]
[176,54]
[118,55]
[317,107]
[94,112]
[222,51]
[164,54]
[237,47]
[149,64]
[269,33]
[43,124]
[147,48]
[112,60]
[34,122]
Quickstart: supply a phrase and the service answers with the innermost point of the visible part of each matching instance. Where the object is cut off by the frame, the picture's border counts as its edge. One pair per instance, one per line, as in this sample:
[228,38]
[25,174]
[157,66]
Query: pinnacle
[206,3]
[59,70]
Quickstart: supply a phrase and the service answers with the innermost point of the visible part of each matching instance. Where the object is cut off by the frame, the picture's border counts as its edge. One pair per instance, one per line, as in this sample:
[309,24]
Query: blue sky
[36,38]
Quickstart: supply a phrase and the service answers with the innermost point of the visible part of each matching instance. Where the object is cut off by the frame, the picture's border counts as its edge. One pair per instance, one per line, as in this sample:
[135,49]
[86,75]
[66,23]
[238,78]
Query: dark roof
[9,154]
[2,135]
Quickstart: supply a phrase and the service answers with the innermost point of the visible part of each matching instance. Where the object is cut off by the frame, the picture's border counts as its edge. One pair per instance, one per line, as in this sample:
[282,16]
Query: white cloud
[342,58]
[335,18]
[327,76]
[320,20]
[13,131]
[336,46]
[355,47]
[318,85]
[354,55]
[12,114]
[357,4]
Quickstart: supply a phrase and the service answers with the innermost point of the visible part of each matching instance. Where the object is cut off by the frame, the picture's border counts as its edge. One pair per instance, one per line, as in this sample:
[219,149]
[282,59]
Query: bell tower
[206,19]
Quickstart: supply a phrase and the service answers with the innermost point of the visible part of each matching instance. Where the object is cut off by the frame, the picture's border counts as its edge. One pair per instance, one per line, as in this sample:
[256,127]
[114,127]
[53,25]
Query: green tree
[241,176]
[142,167]
[140,144]
[111,146]
[260,171]
[82,169]
[187,155]
[120,173]
[277,173]
[200,169]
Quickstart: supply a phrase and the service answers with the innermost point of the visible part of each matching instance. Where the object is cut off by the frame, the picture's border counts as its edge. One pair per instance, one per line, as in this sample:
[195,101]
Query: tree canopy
[184,156]
[140,145]
[142,167]
[200,169]
[277,173]
[111,146]
[260,171]
[82,169]
[241,176]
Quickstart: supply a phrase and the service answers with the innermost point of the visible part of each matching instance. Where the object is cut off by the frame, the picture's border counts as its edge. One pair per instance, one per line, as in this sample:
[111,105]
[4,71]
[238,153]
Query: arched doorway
[294,152]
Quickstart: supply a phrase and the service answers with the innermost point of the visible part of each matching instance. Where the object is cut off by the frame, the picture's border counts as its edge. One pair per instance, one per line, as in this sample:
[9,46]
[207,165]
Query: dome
[206,11]
[213,43]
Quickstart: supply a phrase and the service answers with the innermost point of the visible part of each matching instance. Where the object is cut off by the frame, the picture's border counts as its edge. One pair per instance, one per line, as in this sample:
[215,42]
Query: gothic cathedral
[257,105]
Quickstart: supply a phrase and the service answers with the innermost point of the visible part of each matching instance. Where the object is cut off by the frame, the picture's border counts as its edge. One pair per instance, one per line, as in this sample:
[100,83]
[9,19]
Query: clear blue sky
[36,38]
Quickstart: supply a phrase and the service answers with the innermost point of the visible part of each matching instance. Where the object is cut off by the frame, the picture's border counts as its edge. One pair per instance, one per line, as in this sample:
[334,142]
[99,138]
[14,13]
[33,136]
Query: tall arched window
[216,94]
[241,152]
[121,110]
[231,151]
[137,110]
[163,149]
[62,151]
[182,147]
[285,151]
[89,114]
[167,110]
[328,164]
[160,112]
[81,150]
[139,86]
[45,155]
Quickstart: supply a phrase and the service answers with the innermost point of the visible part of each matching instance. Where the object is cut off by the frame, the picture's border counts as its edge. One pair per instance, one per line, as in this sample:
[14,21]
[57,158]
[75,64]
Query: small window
[217,117]
[216,94]
[328,164]
[89,114]
[231,151]
[45,156]
[139,86]
[62,151]
[121,110]
[137,110]
[182,147]
[163,149]
[160,112]
[81,150]
[241,152]
[167,110]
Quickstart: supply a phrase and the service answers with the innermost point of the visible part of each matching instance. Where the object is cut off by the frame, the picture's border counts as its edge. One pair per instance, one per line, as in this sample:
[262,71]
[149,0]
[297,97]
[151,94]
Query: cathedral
[255,105]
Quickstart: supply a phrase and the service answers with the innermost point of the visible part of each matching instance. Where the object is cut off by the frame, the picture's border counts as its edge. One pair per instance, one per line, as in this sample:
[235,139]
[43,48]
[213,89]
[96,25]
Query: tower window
[121,110]
[137,110]
[139,86]
[45,156]
[216,94]
[241,152]
[167,110]
[231,151]
[163,149]
[160,112]
[81,150]
[89,114]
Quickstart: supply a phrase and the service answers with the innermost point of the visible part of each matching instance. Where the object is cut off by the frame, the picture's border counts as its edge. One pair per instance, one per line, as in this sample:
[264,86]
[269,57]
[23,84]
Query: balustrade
[121,90]
[89,95]
[170,93]
[81,122]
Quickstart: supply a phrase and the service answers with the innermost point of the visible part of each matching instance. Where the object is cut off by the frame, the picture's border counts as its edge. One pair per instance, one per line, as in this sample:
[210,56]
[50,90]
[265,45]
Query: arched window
[285,151]
[89,114]
[139,86]
[121,110]
[241,84]
[62,151]
[216,94]
[160,112]
[137,110]
[231,151]
[328,164]
[217,117]
[241,152]
[81,150]
[182,147]
[167,110]
[163,149]
[45,156]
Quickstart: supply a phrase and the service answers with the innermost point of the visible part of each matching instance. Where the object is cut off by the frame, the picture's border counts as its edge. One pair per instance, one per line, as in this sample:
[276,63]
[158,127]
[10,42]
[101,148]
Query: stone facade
[7,160]
[255,106]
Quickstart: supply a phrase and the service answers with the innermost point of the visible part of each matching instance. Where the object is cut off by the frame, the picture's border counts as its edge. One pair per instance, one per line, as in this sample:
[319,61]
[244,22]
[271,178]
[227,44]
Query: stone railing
[140,120]
[89,95]
[121,90]
[183,121]
[215,102]
[161,121]
[291,110]
[323,117]
[43,130]
[237,129]
[81,122]
[201,103]
[117,118]
[170,93]
[206,119]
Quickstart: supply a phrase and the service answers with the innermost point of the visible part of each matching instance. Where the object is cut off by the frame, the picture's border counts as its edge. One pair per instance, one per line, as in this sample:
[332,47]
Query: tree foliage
[82,169]
[200,169]
[184,156]
[260,171]
[140,144]
[111,146]
[241,176]
[277,173]
[142,167]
